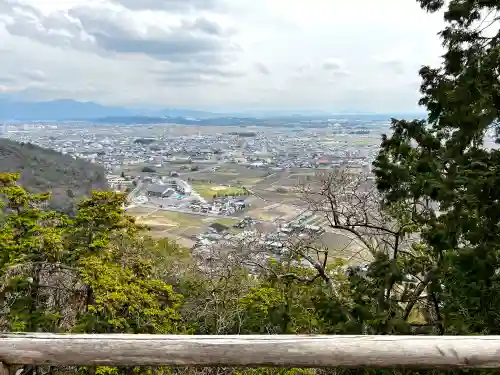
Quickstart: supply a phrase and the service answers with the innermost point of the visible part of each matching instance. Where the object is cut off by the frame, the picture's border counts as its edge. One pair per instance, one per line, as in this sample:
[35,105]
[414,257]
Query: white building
[180,186]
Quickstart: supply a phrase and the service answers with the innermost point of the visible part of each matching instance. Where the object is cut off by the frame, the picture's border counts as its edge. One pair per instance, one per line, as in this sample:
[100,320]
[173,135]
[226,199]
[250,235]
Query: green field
[209,190]
[227,222]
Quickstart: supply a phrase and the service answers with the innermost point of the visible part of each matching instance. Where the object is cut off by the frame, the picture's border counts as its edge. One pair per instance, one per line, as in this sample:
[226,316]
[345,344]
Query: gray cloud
[396,65]
[34,75]
[180,52]
[187,50]
[335,69]
[190,80]
[262,68]
[199,69]
[204,25]
[171,5]
[107,29]
[192,74]
[7,79]
[24,20]
[23,78]
[303,67]
[114,31]
[55,91]
[333,64]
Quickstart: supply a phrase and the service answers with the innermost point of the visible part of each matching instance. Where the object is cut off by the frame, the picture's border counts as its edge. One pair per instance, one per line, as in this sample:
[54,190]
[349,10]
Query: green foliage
[85,274]
[266,310]
[43,170]
[443,161]
[125,300]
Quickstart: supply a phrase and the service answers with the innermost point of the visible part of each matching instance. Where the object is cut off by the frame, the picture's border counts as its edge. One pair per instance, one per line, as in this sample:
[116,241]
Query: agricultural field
[271,212]
[274,198]
[211,190]
[342,246]
[226,221]
[183,228]
[177,226]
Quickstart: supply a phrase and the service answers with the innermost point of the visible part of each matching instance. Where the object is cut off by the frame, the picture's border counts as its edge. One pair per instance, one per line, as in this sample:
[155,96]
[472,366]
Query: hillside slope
[46,170]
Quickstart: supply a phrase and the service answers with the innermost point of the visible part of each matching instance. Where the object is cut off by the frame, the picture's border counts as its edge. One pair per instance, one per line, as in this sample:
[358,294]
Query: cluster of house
[301,229]
[182,195]
[221,206]
[248,235]
[217,238]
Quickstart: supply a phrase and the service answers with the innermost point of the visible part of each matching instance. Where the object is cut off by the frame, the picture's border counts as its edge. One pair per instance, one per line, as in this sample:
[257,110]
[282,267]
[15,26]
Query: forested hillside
[44,170]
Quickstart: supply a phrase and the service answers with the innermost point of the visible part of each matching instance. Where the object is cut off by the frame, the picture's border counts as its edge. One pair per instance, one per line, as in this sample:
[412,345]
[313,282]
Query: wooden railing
[252,350]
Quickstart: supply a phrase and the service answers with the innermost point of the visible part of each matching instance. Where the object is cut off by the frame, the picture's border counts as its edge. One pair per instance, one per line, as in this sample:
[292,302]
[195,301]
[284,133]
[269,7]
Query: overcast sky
[336,55]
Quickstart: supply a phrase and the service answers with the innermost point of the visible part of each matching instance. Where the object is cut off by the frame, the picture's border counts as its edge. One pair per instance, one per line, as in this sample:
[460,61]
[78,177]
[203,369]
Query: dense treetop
[443,162]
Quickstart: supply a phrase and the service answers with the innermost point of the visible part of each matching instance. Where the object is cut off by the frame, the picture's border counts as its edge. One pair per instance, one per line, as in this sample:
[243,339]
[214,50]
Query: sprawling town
[207,185]
[116,146]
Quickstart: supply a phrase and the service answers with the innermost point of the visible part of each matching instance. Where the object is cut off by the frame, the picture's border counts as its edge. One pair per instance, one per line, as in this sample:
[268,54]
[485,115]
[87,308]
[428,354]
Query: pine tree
[443,170]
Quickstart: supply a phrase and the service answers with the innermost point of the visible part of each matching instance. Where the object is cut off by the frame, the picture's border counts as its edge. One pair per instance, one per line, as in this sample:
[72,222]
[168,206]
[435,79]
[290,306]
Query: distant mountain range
[216,120]
[70,110]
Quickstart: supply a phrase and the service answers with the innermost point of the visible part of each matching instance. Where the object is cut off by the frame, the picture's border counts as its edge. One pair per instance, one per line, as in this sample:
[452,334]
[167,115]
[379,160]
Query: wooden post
[4,369]
[254,350]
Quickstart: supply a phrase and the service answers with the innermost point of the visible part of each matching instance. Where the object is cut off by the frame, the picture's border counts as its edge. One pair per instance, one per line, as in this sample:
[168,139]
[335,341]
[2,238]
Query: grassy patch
[209,190]
[227,222]
[179,218]
[138,211]
[248,182]
[266,218]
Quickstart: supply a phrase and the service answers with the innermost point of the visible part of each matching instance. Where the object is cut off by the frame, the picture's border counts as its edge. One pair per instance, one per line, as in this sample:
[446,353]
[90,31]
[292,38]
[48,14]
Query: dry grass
[209,190]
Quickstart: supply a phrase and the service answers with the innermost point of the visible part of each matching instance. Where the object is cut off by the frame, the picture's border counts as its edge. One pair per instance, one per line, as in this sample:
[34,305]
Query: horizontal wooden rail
[252,350]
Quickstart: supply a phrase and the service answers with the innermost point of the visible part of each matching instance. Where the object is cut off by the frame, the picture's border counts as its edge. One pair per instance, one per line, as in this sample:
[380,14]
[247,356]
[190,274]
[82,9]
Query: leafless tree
[351,206]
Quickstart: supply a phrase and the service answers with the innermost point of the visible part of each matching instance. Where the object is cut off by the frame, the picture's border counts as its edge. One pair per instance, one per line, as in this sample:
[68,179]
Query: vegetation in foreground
[431,273]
